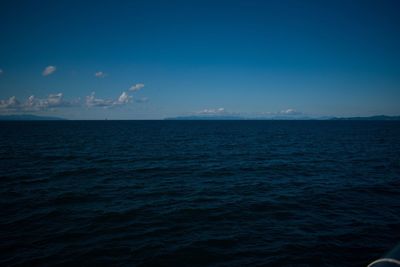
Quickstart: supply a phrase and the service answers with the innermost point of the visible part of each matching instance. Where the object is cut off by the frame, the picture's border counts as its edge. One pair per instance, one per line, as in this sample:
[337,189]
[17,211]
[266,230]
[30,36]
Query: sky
[157,59]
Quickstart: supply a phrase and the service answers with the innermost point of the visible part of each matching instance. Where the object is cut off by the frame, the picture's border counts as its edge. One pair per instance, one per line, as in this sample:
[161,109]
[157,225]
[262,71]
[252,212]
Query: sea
[198,193]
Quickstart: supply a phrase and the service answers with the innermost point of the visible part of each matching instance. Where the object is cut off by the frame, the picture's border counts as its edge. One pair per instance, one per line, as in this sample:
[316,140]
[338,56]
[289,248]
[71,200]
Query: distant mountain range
[227,117]
[28,117]
[370,118]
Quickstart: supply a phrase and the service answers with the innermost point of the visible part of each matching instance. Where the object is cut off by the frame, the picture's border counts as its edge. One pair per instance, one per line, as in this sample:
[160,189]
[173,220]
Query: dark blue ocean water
[198,193]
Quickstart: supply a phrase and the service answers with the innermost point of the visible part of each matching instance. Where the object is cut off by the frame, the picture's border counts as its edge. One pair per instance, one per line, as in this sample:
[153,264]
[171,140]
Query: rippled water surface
[198,193]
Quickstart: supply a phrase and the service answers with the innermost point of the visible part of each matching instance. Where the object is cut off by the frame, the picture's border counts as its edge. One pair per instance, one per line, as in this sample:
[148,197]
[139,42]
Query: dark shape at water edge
[209,193]
[28,117]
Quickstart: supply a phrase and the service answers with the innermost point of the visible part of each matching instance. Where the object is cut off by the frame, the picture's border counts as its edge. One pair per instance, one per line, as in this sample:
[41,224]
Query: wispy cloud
[49,70]
[1,72]
[136,87]
[290,112]
[92,101]
[123,99]
[284,112]
[212,111]
[100,74]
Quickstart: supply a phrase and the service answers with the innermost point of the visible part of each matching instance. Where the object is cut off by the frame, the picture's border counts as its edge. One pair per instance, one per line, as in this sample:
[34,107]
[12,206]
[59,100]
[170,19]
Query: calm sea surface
[198,193]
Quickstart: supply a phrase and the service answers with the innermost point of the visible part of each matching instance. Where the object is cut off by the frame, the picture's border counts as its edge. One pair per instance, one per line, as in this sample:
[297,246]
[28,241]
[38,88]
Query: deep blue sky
[319,58]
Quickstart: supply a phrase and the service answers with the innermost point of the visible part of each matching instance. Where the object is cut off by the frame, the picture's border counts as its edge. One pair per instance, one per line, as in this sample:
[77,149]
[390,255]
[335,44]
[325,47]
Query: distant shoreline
[209,118]
[368,118]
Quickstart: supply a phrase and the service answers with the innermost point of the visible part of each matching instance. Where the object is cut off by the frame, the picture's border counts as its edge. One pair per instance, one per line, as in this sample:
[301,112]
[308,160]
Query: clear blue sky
[319,58]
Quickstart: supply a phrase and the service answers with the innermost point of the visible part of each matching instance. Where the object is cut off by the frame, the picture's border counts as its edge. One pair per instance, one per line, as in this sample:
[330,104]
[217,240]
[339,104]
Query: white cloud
[52,101]
[216,111]
[124,98]
[36,104]
[100,74]
[49,70]
[10,103]
[92,101]
[289,111]
[136,87]
[286,113]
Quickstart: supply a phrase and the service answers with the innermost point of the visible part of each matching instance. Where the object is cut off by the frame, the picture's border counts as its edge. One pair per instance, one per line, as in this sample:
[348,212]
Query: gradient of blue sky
[335,57]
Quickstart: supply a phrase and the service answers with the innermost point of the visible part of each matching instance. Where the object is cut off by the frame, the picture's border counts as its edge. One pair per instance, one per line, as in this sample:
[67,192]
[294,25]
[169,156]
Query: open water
[198,193]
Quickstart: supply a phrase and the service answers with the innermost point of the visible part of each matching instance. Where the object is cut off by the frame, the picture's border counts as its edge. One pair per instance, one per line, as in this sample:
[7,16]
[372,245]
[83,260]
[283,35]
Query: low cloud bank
[222,112]
[33,103]
[212,111]
[53,101]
